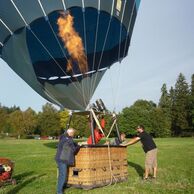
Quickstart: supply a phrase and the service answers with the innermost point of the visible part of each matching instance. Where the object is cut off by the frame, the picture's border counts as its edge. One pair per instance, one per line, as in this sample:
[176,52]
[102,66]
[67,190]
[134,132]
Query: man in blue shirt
[65,157]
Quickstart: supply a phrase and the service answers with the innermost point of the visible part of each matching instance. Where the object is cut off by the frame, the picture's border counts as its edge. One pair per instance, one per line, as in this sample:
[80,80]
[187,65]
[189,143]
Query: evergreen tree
[165,106]
[192,104]
[160,123]
[165,102]
[164,97]
[180,107]
[172,97]
[172,108]
[192,85]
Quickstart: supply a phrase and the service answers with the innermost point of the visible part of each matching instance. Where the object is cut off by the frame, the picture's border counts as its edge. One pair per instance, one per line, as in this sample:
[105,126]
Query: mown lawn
[35,168]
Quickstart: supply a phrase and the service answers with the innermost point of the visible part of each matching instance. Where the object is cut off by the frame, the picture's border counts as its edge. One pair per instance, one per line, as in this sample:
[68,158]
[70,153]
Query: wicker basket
[97,166]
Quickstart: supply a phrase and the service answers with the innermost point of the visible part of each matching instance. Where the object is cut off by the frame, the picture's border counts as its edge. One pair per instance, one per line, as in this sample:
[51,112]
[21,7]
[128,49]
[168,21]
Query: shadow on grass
[21,176]
[137,167]
[51,145]
[19,186]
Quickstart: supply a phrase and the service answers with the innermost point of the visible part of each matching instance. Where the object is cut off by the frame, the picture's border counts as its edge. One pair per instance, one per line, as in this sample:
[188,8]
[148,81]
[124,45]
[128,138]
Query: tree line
[172,116]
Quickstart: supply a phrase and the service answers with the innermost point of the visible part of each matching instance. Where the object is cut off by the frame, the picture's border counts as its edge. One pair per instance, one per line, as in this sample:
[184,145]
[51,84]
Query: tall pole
[69,120]
[118,134]
[92,128]
[116,126]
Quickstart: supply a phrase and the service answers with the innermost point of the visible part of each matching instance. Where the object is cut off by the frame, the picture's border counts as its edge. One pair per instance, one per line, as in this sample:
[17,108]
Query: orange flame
[72,42]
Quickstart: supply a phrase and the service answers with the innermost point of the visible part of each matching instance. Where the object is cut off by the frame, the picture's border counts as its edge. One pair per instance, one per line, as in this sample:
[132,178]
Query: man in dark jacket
[65,157]
[149,148]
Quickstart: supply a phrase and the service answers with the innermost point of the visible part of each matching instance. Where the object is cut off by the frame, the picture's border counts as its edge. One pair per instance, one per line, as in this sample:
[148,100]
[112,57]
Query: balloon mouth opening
[68,79]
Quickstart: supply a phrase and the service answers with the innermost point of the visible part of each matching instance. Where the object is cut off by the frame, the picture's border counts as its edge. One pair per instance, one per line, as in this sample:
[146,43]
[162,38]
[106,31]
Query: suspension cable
[93,88]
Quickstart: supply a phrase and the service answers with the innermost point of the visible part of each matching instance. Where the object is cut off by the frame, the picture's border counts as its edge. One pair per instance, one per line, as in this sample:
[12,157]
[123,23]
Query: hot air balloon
[62,49]
[31,44]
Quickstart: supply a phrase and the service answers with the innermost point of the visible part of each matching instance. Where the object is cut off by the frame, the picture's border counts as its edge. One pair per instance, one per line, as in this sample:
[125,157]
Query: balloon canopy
[62,48]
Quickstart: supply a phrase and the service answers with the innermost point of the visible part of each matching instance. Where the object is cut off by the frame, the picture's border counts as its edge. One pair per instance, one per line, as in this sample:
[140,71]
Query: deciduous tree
[49,120]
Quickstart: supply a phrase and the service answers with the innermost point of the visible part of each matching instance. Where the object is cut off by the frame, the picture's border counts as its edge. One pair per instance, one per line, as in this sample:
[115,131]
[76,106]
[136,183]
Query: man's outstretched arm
[132,141]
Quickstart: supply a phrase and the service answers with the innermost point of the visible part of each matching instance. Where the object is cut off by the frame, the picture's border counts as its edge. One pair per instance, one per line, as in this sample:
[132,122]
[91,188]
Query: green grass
[35,168]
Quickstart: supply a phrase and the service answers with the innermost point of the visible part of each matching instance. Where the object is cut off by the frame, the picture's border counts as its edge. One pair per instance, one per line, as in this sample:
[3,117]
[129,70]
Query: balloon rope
[85,90]
[54,100]
[93,88]
[118,84]
[112,86]
[120,36]
[113,124]
[114,96]
[62,50]
[19,12]
[112,177]
[117,93]
[1,21]
[119,52]
[64,6]
[52,97]
[129,28]
[94,57]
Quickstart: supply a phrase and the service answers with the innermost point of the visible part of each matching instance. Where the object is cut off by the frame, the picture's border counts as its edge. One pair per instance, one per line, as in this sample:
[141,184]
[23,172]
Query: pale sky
[162,46]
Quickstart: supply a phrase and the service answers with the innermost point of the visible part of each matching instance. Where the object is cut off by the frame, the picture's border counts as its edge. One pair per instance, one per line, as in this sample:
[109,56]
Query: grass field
[35,168]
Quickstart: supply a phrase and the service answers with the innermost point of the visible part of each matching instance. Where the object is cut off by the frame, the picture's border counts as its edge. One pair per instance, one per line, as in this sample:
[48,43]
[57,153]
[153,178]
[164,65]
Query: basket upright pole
[69,120]
[116,126]
[117,130]
[92,128]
